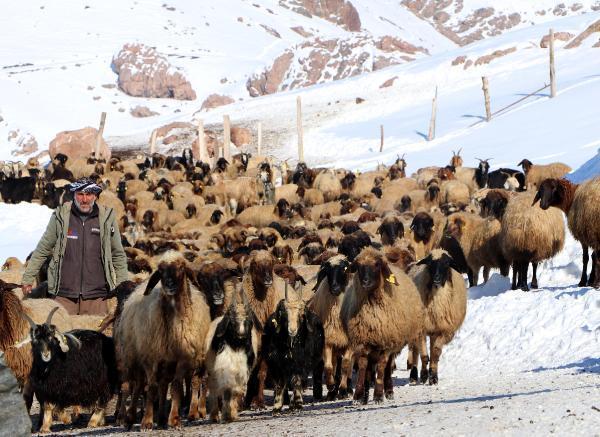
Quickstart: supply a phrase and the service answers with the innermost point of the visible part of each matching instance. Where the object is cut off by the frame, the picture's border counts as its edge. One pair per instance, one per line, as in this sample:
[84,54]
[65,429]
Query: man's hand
[26,288]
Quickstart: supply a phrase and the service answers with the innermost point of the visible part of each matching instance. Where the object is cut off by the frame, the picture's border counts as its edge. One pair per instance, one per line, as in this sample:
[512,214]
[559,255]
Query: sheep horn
[49,319]
[32,324]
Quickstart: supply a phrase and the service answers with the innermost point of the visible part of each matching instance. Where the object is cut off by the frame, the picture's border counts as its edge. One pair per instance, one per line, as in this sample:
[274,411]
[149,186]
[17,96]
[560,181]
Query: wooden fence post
[381,138]
[431,134]
[226,138]
[259,139]
[486,96]
[299,128]
[202,152]
[552,73]
[99,136]
[153,142]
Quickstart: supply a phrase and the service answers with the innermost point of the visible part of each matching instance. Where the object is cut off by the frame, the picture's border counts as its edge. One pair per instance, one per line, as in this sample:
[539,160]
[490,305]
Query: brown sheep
[426,233]
[262,215]
[529,234]
[381,313]
[329,185]
[444,296]
[536,174]
[478,238]
[580,205]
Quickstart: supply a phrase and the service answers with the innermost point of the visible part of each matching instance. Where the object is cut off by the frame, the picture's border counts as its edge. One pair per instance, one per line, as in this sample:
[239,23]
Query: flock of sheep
[249,274]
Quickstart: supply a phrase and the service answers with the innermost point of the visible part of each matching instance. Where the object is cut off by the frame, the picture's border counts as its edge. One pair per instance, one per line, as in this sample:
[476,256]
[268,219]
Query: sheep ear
[62,341]
[154,279]
[290,253]
[537,198]
[222,327]
[424,261]
[387,273]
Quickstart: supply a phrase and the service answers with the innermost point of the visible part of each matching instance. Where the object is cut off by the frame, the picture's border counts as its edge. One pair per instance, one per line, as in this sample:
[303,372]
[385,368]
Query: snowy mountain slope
[339,131]
[55,58]
[465,21]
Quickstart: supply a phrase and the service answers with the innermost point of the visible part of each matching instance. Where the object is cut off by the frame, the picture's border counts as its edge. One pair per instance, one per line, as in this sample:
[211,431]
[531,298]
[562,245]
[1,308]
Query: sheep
[529,234]
[72,368]
[478,238]
[424,175]
[426,233]
[455,192]
[310,196]
[292,346]
[231,352]
[579,203]
[536,174]
[329,288]
[263,297]
[351,245]
[261,215]
[390,229]
[401,255]
[288,192]
[283,253]
[329,185]
[14,329]
[160,328]
[381,313]
[444,296]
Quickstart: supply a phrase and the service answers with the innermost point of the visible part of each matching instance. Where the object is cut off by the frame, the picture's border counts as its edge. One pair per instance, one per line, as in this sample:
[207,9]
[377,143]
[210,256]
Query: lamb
[444,296]
[329,185]
[75,368]
[381,313]
[478,239]
[292,346]
[529,234]
[536,174]
[580,205]
[162,328]
[231,352]
[332,280]
[263,298]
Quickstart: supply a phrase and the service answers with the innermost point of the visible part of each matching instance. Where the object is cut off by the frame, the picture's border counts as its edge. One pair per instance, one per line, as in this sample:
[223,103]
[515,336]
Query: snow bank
[21,227]
[587,171]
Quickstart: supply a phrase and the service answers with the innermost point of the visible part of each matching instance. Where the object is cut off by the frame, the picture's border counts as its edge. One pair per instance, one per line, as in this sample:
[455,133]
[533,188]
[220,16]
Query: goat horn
[75,340]
[49,319]
[479,159]
[32,324]
[459,150]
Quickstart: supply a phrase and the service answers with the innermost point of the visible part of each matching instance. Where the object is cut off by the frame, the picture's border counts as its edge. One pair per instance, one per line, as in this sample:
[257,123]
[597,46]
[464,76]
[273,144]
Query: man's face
[85,201]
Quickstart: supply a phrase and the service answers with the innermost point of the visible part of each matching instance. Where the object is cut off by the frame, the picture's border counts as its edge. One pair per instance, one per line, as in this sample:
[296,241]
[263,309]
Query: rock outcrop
[143,72]
[79,143]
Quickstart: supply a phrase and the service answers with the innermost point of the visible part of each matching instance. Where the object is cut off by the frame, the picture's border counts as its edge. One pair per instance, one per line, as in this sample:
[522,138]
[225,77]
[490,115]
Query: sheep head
[372,271]
[336,270]
[456,226]
[311,252]
[175,276]
[234,238]
[550,193]
[390,229]
[211,278]
[269,236]
[349,227]
[282,209]
[215,217]
[260,267]
[439,266]
[190,211]
[433,191]
[405,203]
[283,253]
[422,226]
[526,164]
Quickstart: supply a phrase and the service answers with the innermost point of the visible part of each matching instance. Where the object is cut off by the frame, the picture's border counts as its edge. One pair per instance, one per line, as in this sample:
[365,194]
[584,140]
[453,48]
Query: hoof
[525,288]
[378,399]
[276,411]
[146,426]
[389,395]
[296,406]
[414,376]
[332,395]
[424,376]
[343,394]
[258,406]
[433,378]
[174,422]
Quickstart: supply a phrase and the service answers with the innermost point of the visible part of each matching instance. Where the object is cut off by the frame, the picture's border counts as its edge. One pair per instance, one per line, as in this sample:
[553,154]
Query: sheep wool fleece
[54,243]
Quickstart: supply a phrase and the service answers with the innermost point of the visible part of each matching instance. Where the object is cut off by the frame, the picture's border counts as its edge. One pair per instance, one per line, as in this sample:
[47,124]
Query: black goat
[54,196]
[75,368]
[292,345]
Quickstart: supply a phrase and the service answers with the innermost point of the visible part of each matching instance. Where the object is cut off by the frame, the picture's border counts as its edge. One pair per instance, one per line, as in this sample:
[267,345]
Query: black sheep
[292,345]
[15,190]
[75,368]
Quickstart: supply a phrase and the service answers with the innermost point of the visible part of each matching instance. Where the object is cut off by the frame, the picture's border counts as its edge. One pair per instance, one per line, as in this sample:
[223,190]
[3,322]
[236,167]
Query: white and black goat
[231,352]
